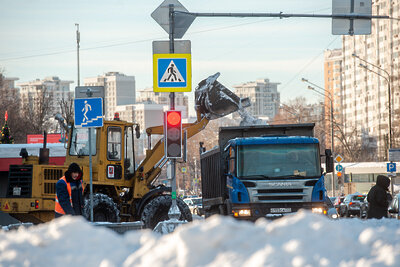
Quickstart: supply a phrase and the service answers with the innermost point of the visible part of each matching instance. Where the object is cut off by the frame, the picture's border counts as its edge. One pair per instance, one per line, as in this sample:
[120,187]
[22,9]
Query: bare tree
[67,108]
[39,110]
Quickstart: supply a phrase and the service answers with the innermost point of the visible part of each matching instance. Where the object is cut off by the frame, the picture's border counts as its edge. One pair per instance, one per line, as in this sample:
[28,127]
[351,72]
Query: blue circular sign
[339,168]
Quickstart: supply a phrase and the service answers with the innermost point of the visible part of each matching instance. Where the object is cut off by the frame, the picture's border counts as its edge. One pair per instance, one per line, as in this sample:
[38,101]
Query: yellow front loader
[122,191]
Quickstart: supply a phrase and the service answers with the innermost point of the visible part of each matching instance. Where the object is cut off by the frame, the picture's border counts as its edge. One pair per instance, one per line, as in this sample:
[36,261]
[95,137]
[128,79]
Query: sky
[38,39]
[302,239]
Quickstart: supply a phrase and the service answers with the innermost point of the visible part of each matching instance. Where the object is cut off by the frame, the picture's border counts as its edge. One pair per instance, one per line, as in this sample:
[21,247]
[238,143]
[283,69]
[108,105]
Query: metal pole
[332,131]
[387,79]
[173,212]
[283,15]
[78,39]
[91,174]
[332,147]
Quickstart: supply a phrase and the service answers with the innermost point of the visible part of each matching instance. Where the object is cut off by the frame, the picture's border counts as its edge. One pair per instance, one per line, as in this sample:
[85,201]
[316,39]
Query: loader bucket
[214,100]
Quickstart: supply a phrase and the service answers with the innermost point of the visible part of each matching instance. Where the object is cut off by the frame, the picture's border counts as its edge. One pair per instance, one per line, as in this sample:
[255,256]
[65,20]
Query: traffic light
[340,177]
[173,134]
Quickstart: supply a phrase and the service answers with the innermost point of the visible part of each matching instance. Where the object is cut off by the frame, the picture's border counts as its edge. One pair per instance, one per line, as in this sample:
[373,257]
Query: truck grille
[266,192]
[51,176]
[20,181]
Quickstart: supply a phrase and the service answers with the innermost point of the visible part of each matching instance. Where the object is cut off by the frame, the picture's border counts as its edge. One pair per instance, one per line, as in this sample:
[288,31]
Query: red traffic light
[339,174]
[173,118]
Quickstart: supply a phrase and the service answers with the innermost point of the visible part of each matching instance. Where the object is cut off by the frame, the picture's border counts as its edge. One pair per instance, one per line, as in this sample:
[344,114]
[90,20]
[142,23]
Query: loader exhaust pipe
[213,100]
[44,152]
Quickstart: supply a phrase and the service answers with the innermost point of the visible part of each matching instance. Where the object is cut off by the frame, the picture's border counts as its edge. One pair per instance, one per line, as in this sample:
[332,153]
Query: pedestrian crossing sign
[172,73]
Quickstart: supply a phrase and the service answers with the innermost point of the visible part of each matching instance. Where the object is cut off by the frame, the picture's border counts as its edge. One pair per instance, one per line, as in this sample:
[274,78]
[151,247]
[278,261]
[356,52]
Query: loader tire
[157,211]
[104,209]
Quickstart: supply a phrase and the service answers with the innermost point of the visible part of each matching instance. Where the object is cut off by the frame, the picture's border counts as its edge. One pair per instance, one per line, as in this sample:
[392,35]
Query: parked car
[353,204]
[195,205]
[331,212]
[394,211]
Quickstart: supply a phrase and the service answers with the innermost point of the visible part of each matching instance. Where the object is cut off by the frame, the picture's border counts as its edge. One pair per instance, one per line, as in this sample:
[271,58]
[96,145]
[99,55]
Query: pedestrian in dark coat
[377,198]
[69,192]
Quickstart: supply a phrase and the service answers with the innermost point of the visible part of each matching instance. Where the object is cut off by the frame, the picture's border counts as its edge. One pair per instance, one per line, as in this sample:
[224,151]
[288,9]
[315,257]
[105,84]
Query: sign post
[89,114]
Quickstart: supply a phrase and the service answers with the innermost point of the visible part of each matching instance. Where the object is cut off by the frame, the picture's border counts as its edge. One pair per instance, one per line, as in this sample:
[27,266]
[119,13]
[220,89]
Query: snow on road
[303,239]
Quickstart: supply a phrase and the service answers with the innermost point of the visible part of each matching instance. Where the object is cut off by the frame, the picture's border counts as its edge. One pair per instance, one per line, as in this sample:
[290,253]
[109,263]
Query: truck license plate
[17,191]
[281,210]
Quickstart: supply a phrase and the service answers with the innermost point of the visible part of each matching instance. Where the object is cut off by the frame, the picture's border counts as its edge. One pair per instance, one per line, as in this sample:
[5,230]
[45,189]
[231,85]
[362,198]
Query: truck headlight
[242,213]
[318,210]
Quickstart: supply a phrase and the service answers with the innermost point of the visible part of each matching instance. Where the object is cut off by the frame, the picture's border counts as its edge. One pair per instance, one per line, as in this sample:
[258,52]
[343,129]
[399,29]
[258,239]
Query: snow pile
[303,239]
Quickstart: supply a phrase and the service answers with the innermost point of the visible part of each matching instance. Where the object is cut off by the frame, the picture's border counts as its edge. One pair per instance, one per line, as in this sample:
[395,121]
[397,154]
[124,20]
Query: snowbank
[303,239]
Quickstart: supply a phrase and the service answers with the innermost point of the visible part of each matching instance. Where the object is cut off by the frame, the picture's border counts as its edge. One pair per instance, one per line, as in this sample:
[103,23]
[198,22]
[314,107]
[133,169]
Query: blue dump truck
[264,171]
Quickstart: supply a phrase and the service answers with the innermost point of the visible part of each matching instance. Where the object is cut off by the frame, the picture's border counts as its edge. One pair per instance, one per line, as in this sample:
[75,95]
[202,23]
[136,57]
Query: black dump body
[213,165]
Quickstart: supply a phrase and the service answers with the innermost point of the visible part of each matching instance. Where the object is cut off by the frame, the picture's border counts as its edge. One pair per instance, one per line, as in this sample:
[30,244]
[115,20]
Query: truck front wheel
[157,211]
[104,209]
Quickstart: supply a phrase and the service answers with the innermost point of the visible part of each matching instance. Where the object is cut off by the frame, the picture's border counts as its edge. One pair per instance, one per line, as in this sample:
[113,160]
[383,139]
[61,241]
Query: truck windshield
[278,161]
[80,142]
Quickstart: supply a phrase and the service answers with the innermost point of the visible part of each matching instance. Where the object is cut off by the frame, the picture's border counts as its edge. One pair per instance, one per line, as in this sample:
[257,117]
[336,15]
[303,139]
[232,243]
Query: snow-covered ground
[303,239]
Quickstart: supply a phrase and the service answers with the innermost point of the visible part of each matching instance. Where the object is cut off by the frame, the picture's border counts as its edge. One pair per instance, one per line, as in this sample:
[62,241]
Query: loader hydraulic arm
[151,166]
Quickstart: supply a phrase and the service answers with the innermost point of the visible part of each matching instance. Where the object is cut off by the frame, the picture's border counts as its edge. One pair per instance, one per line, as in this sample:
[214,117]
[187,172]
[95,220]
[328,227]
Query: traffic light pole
[173,212]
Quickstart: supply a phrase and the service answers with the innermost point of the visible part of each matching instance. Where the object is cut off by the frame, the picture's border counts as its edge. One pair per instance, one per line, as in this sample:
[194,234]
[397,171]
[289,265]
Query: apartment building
[119,89]
[264,97]
[367,89]
[50,87]
[333,75]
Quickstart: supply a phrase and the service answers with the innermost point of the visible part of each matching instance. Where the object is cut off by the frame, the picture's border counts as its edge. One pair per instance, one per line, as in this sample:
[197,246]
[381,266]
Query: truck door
[114,152]
[129,155]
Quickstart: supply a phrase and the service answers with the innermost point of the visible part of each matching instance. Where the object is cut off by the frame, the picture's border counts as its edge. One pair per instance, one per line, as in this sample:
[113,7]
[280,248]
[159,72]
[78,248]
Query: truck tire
[157,211]
[104,209]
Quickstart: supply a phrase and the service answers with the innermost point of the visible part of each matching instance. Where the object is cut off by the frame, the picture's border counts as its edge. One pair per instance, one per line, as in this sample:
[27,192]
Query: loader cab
[112,149]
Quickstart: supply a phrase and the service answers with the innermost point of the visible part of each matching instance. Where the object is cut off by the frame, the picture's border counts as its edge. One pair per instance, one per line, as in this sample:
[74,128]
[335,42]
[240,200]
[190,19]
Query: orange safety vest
[58,207]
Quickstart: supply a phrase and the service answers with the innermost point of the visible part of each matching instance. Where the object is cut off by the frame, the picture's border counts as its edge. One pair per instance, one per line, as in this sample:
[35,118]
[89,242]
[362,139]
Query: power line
[137,41]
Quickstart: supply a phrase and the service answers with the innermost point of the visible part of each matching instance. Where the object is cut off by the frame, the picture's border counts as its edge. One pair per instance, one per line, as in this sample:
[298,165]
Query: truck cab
[264,171]
[274,175]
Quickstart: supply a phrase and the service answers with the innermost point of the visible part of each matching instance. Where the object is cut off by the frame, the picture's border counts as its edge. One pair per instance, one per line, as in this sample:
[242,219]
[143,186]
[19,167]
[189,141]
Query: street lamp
[389,92]
[331,109]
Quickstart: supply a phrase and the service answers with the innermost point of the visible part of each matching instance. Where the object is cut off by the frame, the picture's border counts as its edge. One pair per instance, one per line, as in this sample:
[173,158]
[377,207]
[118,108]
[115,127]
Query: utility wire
[137,41]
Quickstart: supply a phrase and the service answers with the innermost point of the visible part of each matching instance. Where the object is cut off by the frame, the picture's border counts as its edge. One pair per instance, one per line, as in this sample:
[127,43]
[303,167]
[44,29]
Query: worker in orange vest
[69,192]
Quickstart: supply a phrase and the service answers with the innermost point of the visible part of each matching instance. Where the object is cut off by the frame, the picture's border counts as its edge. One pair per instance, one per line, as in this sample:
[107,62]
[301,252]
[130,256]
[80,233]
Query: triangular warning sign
[172,74]
[6,206]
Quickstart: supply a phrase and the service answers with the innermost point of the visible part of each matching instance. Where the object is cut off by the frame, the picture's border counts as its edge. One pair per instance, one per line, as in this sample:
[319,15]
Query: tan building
[365,94]
[333,75]
[264,97]
[119,89]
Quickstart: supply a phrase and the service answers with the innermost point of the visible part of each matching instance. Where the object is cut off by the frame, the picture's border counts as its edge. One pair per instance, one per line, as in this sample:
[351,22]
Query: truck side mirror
[328,161]
[137,131]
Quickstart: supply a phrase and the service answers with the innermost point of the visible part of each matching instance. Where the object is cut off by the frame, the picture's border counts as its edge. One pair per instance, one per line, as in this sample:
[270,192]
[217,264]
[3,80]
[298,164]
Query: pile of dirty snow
[303,239]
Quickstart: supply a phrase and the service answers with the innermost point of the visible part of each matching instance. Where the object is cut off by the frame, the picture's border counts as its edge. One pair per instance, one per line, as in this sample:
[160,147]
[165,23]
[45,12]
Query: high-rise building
[264,97]
[50,88]
[366,87]
[119,89]
[333,74]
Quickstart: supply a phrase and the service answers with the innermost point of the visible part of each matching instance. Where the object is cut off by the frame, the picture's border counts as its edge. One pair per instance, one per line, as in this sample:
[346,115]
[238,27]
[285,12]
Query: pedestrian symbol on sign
[172,74]
[85,110]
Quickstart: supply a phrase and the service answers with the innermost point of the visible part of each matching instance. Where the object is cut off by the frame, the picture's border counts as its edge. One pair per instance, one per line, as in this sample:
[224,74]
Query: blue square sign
[391,167]
[88,112]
